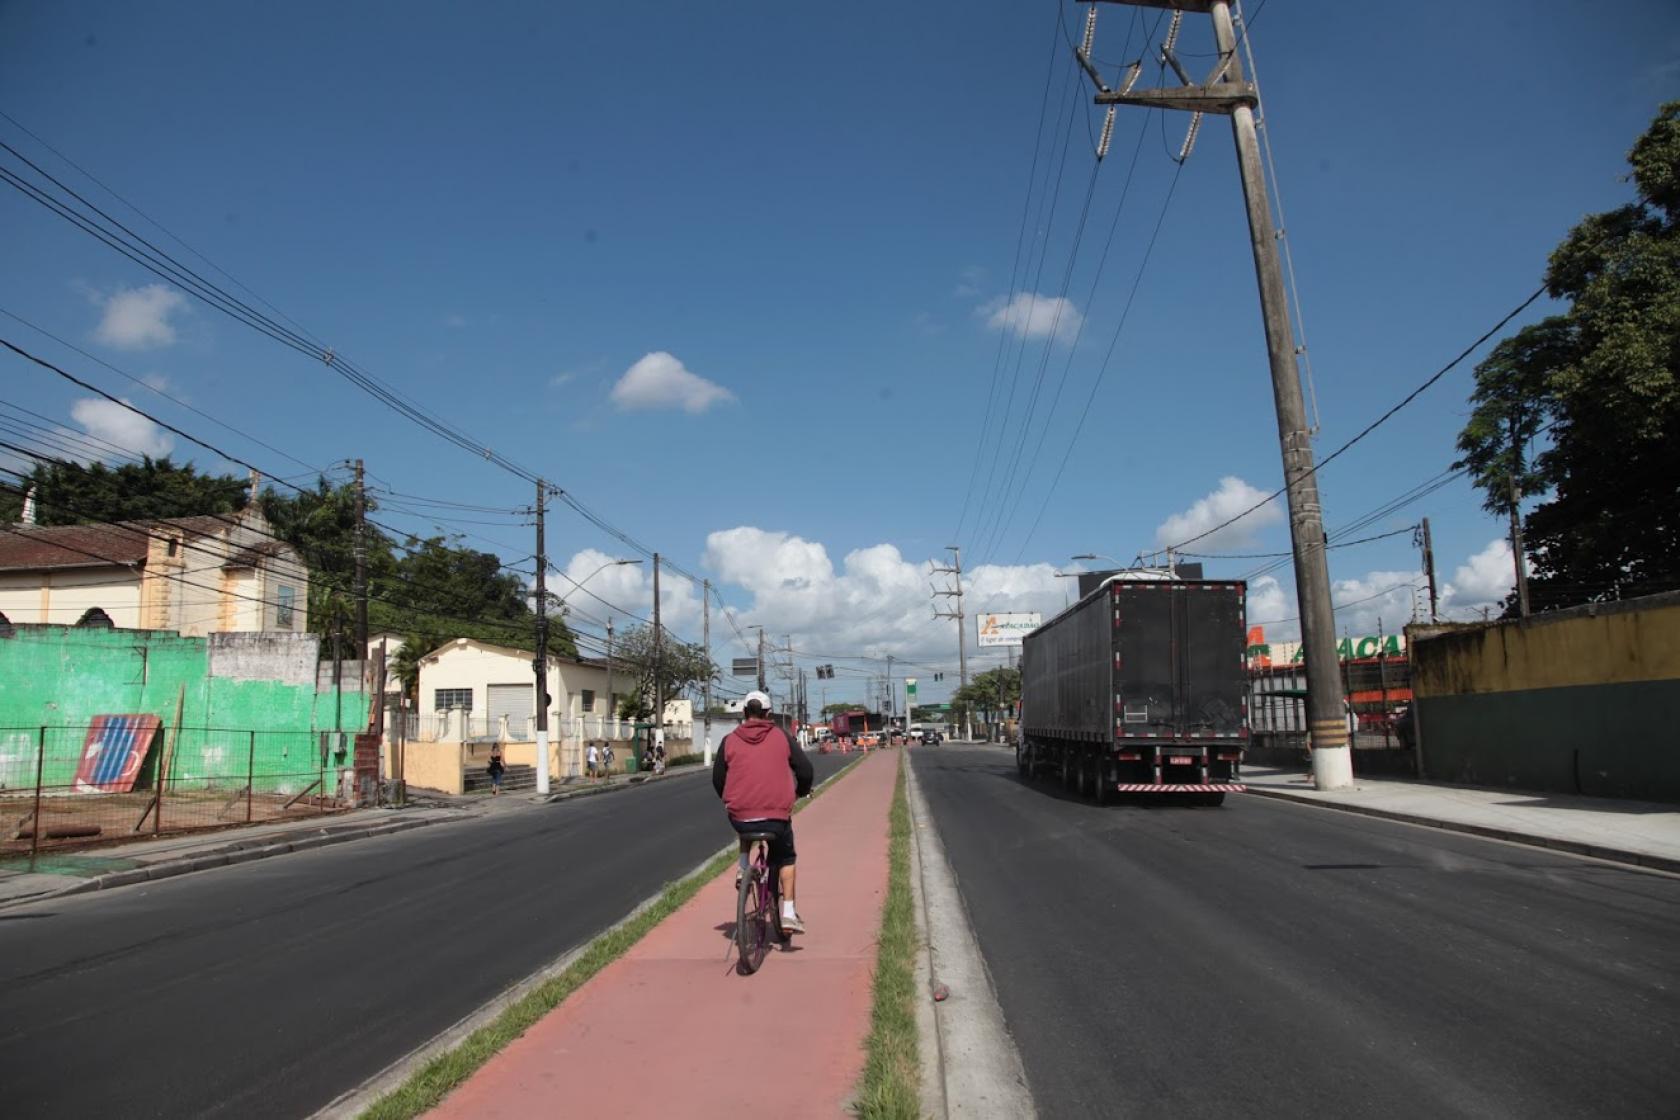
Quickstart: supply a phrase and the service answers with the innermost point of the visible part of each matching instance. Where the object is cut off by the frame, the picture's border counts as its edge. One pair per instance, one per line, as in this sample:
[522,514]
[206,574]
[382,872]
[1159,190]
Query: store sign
[1364,647]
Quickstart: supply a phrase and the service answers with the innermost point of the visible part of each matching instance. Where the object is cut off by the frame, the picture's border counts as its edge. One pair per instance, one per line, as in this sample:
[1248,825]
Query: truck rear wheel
[1209,800]
[1105,784]
[1070,771]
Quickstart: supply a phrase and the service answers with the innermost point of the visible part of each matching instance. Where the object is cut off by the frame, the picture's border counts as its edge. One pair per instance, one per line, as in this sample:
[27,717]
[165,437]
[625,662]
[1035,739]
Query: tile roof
[38,547]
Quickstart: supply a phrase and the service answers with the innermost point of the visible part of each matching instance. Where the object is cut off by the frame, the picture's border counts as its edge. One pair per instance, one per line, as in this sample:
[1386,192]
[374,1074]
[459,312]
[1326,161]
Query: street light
[1094,556]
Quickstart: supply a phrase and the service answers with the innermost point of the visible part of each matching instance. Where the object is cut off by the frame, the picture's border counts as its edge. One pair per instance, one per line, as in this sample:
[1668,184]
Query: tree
[841,707]
[1601,381]
[68,493]
[991,693]
[679,666]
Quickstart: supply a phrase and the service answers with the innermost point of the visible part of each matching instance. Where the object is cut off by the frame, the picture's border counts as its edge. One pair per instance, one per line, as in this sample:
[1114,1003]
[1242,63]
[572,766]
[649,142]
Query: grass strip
[891,1072]
[426,1087]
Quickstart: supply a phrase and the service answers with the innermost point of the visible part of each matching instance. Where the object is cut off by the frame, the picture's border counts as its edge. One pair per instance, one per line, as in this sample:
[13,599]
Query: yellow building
[193,575]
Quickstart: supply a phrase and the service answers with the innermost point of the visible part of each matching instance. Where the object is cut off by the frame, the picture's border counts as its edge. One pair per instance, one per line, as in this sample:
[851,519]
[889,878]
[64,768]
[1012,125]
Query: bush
[684,760]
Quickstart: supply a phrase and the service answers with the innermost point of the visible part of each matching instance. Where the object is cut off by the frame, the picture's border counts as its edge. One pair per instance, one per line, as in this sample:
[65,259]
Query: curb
[614,787]
[976,1068]
[1487,832]
[222,857]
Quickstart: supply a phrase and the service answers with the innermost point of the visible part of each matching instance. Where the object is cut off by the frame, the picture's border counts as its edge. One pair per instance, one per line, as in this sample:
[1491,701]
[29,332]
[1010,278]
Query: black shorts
[781,844]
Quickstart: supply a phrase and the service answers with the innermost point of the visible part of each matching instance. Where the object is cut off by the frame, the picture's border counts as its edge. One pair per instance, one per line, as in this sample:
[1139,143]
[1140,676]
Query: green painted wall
[61,677]
[1607,740]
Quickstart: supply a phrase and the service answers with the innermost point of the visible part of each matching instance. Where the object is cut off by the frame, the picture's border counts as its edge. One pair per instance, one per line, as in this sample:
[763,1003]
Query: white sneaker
[791,923]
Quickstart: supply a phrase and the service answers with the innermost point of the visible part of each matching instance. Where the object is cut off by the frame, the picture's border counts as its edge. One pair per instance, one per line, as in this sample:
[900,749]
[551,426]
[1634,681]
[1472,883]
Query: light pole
[560,601]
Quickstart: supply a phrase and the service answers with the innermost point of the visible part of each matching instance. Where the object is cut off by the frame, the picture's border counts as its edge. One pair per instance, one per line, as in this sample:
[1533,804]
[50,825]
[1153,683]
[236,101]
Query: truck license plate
[1181,760]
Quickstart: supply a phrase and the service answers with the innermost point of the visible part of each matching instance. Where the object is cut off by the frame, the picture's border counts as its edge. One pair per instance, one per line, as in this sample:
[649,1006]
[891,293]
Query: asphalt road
[1272,959]
[269,988]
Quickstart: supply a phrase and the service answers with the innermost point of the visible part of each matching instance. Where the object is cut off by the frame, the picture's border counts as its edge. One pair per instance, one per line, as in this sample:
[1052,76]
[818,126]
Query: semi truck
[1139,688]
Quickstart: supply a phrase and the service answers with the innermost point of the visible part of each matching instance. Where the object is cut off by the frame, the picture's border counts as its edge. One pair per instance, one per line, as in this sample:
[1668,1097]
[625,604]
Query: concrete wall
[1579,701]
[235,684]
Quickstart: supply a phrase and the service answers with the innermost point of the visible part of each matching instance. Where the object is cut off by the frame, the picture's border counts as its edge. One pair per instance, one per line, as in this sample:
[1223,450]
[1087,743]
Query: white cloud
[1483,581]
[1029,315]
[659,380]
[156,381]
[113,424]
[1231,498]
[138,318]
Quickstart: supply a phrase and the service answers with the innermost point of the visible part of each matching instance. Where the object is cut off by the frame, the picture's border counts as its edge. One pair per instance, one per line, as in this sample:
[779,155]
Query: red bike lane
[670,1029]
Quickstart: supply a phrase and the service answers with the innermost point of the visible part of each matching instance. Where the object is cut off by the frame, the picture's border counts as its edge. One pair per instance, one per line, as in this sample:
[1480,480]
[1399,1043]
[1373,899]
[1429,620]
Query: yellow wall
[1618,646]
[433,766]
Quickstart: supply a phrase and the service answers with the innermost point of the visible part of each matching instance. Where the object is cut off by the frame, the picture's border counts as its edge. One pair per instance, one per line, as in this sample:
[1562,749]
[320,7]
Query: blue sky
[503,209]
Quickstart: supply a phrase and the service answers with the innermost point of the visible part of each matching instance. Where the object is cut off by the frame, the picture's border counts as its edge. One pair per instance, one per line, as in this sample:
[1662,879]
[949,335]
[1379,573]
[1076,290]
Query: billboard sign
[1006,628]
[1361,647]
[744,667]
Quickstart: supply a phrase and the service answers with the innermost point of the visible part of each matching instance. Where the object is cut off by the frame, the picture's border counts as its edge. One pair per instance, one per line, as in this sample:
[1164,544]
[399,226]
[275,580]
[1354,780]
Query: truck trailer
[1141,687]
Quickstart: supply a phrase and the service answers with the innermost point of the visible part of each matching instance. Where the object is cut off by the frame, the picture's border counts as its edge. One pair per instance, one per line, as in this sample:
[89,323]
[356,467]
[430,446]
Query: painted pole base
[1332,768]
[542,762]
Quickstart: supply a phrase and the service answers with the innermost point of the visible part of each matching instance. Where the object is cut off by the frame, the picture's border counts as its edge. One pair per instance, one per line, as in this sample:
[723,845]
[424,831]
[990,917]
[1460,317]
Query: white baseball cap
[756,697]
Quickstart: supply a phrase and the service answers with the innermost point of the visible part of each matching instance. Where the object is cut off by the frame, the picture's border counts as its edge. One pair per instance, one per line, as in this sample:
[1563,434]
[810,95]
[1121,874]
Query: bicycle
[758,903]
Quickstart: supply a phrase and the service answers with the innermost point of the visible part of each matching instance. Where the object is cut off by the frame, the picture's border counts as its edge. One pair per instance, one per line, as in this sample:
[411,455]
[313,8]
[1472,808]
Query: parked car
[930,737]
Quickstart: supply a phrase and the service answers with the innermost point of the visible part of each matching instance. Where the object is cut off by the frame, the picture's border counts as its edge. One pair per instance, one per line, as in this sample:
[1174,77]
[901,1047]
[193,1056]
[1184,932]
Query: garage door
[517,703]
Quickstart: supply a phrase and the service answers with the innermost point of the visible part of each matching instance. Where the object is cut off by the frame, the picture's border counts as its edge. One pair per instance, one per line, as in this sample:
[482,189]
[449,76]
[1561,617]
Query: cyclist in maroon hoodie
[760,772]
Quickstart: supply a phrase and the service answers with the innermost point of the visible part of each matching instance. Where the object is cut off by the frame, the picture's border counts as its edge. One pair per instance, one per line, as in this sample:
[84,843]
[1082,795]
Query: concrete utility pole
[955,571]
[1225,90]
[539,664]
[1427,544]
[658,657]
[706,643]
[761,687]
[612,702]
[361,568]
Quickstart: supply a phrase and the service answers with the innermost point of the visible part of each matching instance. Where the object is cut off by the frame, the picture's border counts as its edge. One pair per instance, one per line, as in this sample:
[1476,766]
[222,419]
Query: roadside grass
[426,1087]
[891,1072]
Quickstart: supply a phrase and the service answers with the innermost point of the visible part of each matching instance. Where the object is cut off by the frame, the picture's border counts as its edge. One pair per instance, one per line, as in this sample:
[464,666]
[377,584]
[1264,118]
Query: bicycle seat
[754,837]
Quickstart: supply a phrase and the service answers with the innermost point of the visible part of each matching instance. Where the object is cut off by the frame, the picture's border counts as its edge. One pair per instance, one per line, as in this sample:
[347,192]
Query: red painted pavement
[669,1029]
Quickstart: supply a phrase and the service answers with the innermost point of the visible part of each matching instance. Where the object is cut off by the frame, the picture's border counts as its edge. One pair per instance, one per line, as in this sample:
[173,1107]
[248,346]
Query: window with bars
[588,700]
[446,698]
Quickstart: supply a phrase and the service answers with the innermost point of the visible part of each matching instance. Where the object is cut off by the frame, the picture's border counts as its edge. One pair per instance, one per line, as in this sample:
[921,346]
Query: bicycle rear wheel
[752,931]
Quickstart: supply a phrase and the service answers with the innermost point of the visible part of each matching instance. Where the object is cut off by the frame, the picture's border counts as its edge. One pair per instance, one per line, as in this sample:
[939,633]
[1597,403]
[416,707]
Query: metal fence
[55,792]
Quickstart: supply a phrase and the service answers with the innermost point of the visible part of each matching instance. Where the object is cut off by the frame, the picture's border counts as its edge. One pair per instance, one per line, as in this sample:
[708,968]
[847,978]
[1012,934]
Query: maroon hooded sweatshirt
[760,772]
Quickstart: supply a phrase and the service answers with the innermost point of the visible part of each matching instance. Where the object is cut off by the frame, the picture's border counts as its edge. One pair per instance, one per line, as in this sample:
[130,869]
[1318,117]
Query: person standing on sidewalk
[760,772]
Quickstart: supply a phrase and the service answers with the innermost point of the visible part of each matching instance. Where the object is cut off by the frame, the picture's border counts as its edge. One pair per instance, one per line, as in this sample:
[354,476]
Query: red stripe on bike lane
[670,1029]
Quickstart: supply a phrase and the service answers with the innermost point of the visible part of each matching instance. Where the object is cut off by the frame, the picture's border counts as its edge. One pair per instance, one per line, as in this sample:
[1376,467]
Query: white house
[492,691]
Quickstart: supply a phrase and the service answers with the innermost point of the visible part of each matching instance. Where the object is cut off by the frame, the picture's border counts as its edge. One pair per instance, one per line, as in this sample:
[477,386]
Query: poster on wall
[113,752]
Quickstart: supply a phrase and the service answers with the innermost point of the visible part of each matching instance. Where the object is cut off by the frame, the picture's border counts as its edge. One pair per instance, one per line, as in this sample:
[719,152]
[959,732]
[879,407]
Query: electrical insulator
[1171,40]
[1132,74]
[1107,134]
[1190,137]
[1090,32]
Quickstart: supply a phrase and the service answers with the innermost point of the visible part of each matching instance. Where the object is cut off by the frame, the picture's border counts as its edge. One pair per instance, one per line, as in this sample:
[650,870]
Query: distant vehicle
[930,737]
[1139,687]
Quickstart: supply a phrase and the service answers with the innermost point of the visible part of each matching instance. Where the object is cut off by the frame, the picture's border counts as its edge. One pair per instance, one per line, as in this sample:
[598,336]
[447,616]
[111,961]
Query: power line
[1375,424]
[1102,370]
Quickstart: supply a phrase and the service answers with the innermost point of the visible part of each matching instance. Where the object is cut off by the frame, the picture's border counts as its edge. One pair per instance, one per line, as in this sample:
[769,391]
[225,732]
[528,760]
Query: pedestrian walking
[495,770]
[607,770]
[594,760]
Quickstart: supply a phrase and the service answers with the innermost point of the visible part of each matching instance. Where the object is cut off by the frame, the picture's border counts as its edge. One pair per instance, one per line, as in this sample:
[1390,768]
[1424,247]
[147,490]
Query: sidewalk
[1638,832]
[670,1029]
[115,865]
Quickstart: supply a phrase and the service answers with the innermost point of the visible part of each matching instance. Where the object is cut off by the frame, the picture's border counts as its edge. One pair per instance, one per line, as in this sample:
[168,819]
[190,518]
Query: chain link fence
[55,794]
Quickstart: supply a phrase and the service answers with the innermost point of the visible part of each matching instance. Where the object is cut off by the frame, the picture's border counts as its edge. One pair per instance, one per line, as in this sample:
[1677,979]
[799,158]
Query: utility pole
[1518,555]
[955,571]
[539,664]
[361,568]
[706,643]
[892,689]
[658,658]
[1225,90]
[612,701]
[761,687]
[1427,544]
